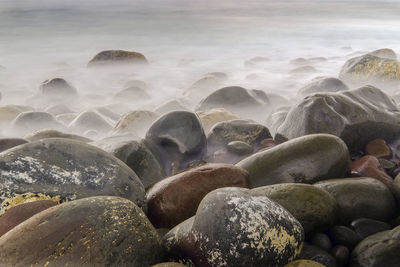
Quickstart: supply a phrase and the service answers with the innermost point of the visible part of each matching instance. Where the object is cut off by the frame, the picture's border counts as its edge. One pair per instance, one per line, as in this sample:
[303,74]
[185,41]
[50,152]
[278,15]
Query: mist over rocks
[117,57]
[323,85]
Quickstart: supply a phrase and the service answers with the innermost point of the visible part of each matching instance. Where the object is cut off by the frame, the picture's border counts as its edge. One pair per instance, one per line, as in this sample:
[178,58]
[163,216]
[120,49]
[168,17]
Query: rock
[378,148]
[384,53]
[356,116]
[233,228]
[176,198]
[133,151]
[120,57]
[58,109]
[169,264]
[370,69]
[365,227]
[177,136]
[132,94]
[268,143]
[342,235]
[213,116]
[322,241]
[314,253]
[173,105]
[7,143]
[322,85]
[90,120]
[136,83]
[64,169]
[236,99]
[96,231]
[66,119]
[306,159]
[239,148]
[48,133]
[10,112]
[256,61]
[22,212]
[299,61]
[369,166]
[58,89]
[31,121]
[205,85]
[313,207]
[341,254]
[135,122]
[304,263]
[380,249]
[276,119]
[396,187]
[360,204]
[303,70]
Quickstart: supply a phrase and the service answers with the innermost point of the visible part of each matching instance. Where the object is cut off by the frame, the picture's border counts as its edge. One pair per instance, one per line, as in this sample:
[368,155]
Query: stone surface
[313,207]
[356,116]
[64,169]
[305,159]
[213,116]
[369,166]
[233,228]
[132,94]
[304,263]
[31,121]
[322,241]
[239,148]
[96,231]
[58,89]
[385,53]
[314,253]
[48,133]
[352,206]
[135,122]
[365,227]
[89,120]
[113,57]
[176,198]
[379,149]
[342,235]
[7,143]
[322,85]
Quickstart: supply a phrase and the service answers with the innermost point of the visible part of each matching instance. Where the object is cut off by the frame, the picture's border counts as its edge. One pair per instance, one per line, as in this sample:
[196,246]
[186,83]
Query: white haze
[183,40]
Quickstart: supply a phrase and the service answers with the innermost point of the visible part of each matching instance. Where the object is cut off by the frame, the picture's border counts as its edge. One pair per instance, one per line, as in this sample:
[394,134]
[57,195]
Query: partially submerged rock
[115,57]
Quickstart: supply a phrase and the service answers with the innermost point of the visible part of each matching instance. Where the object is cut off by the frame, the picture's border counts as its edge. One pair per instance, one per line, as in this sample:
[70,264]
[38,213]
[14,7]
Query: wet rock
[236,99]
[31,121]
[341,254]
[58,89]
[9,112]
[169,264]
[305,159]
[370,69]
[313,207]
[120,57]
[304,263]
[322,85]
[356,116]
[108,113]
[48,133]
[384,53]
[378,148]
[58,109]
[322,241]
[276,119]
[96,231]
[132,94]
[239,148]
[233,228]
[360,205]
[380,249]
[342,235]
[89,120]
[268,143]
[314,253]
[176,198]
[173,105]
[66,118]
[133,151]
[369,166]
[7,143]
[177,135]
[22,212]
[205,85]
[211,117]
[135,122]
[365,227]
[64,169]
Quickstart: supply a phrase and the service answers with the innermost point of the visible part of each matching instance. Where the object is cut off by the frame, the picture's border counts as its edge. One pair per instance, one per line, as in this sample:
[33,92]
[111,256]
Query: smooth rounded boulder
[313,207]
[306,159]
[117,57]
[95,231]
[64,169]
[353,196]
[135,122]
[322,85]
[90,120]
[233,228]
[31,121]
[176,198]
[58,89]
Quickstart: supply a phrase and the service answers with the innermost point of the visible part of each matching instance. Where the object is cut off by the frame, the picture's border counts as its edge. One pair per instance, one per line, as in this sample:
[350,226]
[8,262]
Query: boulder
[117,57]
[7,143]
[89,120]
[48,133]
[135,122]
[58,89]
[384,53]
[31,121]
[213,116]
[132,94]
[322,85]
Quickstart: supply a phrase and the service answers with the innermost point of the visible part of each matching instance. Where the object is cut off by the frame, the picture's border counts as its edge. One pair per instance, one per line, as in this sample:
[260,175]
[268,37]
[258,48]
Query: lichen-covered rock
[49,133]
[113,57]
[353,205]
[176,198]
[322,85]
[305,159]
[370,69]
[7,143]
[213,116]
[177,136]
[356,116]
[95,231]
[233,228]
[380,249]
[304,263]
[135,122]
[313,207]
[134,152]
[31,121]
[89,120]
[64,169]
[384,52]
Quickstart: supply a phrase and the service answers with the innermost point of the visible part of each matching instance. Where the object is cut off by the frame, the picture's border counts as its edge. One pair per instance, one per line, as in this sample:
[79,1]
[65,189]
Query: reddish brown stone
[20,213]
[268,143]
[378,148]
[176,198]
[369,166]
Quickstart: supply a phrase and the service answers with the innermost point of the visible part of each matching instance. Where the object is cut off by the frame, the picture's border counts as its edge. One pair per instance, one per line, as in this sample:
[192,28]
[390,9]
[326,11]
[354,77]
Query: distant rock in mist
[112,57]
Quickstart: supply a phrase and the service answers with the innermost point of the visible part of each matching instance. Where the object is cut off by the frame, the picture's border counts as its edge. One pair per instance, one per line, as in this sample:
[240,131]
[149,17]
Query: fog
[182,40]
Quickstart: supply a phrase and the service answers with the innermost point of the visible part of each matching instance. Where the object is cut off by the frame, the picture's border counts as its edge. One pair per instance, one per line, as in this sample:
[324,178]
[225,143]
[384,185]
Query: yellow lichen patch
[19,199]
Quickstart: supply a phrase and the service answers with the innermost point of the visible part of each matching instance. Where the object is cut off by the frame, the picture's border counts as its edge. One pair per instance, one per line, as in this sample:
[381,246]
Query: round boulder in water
[113,57]
[323,85]
[57,89]
[31,121]
[90,120]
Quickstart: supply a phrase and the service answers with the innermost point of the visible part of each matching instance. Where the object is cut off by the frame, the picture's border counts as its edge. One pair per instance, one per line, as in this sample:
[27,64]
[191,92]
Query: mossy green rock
[95,231]
[313,207]
[380,249]
[306,159]
[361,198]
[66,169]
[356,116]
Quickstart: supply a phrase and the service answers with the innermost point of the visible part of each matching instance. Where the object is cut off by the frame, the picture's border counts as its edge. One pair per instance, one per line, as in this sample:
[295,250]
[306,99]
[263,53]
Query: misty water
[183,40]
